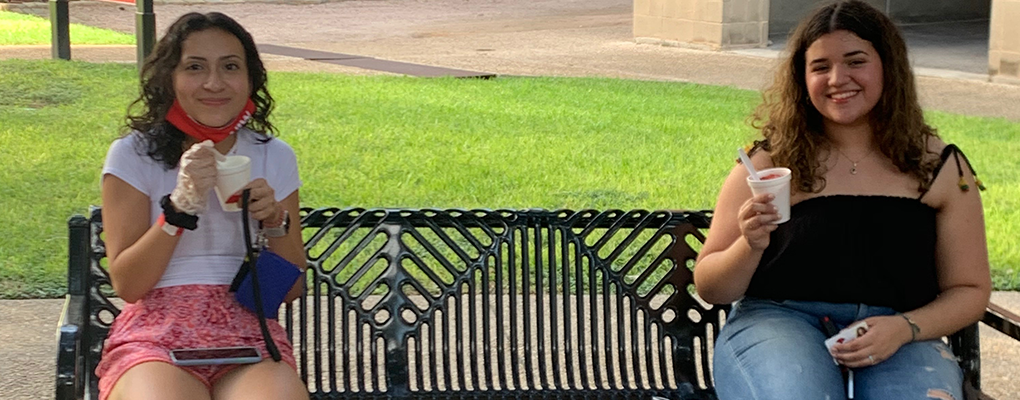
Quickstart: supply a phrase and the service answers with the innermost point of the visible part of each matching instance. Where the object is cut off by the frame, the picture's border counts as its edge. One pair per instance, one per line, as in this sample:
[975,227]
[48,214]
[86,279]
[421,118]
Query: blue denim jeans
[774,350]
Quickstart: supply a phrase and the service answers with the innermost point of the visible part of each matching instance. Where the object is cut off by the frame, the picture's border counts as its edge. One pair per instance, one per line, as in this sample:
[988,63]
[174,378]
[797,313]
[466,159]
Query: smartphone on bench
[216,355]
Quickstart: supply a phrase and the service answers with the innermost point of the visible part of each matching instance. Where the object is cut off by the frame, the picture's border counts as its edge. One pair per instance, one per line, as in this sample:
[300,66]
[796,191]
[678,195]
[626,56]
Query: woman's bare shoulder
[762,159]
[935,146]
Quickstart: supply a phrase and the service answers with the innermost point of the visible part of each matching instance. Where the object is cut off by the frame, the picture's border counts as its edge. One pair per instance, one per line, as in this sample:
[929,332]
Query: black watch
[177,218]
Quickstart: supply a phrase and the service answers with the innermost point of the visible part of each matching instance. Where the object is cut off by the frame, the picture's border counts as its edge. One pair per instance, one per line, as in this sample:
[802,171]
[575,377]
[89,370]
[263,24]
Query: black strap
[958,153]
[952,150]
[250,264]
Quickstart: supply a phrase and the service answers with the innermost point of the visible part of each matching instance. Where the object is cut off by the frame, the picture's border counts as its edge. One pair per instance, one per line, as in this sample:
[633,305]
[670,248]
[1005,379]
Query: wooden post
[60,35]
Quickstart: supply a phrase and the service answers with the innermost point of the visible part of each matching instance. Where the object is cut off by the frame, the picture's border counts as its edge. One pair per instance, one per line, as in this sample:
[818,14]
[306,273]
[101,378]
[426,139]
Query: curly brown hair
[147,114]
[792,127]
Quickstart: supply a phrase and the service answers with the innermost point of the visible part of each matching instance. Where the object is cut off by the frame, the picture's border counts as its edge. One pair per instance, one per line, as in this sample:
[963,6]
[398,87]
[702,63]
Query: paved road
[538,37]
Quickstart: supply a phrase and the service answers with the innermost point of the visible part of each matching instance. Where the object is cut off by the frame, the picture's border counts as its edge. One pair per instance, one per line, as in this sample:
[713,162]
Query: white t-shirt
[212,253]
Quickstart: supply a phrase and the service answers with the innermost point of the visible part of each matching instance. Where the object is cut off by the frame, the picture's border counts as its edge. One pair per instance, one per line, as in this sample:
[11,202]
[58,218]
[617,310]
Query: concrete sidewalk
[28,356]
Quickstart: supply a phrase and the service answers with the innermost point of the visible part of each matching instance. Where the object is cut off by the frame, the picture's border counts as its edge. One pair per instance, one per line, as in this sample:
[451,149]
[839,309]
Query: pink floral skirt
[178,317]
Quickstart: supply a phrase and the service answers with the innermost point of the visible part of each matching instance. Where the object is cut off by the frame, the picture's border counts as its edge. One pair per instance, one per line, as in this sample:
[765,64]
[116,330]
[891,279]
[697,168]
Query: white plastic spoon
[747,164]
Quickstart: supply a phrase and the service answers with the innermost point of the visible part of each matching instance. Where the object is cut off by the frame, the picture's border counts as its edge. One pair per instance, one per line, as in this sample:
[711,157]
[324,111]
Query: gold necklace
[853,169]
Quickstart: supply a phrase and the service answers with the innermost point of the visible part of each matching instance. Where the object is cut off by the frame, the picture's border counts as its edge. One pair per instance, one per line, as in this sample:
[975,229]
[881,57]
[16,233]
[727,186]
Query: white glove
[196,176]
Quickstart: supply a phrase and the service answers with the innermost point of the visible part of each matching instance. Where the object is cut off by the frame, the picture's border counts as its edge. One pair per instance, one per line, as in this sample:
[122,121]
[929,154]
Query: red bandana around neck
[197,130]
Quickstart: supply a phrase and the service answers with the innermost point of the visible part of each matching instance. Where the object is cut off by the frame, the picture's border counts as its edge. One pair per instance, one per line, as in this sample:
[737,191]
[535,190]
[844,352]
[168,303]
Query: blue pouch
[276,276]
[263,280]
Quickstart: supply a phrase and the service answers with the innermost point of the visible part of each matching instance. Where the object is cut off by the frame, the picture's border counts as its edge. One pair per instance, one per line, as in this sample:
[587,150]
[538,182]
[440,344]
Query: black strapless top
[875,250]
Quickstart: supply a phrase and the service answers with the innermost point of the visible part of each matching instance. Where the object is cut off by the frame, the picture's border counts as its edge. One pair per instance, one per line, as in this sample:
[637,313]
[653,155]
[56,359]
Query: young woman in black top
[886,227]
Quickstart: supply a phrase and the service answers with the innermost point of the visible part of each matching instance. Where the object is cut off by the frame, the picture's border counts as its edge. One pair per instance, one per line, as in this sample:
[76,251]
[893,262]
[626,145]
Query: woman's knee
[267,379]
[919,370]
[776,370]
[158,381]
[771,354]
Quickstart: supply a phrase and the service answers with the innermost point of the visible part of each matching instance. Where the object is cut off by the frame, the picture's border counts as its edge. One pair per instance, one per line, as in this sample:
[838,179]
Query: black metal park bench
[466,304]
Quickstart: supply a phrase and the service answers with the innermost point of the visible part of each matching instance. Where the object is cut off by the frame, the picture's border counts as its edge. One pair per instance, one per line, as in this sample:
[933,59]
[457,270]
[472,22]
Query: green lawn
[407,142]
[21,29]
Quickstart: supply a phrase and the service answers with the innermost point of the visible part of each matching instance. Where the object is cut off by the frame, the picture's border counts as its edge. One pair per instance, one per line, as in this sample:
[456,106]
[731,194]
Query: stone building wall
[1004,42]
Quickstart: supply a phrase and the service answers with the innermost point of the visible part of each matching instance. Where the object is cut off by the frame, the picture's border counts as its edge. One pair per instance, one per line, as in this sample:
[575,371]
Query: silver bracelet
[914,329]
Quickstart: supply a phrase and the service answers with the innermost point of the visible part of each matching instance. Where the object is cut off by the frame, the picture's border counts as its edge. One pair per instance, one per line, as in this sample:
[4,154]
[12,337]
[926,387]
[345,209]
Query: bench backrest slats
[503,301]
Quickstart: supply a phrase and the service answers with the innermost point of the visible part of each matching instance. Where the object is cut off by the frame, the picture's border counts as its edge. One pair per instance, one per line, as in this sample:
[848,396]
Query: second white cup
[777,182]
[231,175]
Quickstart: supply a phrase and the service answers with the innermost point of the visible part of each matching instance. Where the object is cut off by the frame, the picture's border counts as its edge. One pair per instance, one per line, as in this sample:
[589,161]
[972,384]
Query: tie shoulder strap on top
[952,150]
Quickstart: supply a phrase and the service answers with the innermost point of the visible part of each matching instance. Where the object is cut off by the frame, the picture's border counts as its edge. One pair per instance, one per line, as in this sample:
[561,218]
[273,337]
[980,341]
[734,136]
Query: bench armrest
[1002,320]
[70,356]
[967,347]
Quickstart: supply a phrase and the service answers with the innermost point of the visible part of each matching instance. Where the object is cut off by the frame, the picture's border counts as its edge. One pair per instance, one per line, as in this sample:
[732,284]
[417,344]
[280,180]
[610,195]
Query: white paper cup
[231,175]
[778,183]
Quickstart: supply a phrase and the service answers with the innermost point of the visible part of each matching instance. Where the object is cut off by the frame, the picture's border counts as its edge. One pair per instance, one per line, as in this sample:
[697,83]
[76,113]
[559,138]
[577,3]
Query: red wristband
[169,229]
